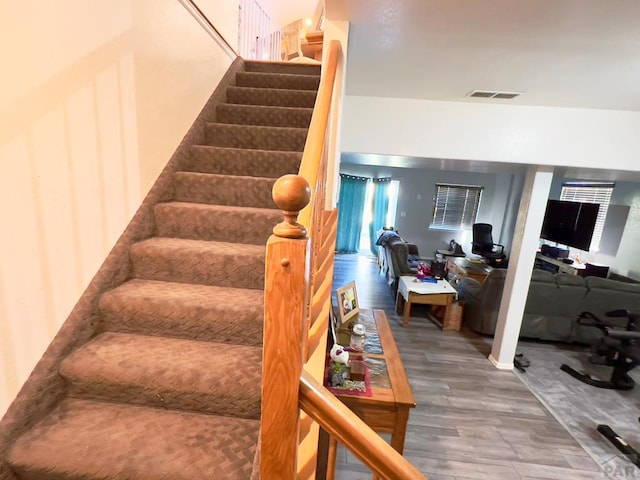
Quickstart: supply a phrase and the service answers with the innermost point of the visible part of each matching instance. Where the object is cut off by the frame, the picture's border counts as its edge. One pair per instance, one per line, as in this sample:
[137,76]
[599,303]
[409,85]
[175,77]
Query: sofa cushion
[539,275]
[399,248]
[606,284]
[546,309]
[468,288]
[569,279]
[545,326]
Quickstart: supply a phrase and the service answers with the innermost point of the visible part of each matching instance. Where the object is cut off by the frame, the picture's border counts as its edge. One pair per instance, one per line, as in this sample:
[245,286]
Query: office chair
[592,270]
[482,244]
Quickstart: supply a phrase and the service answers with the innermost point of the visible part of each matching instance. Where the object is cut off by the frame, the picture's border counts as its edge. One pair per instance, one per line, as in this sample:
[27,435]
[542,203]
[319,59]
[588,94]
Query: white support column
[521,260]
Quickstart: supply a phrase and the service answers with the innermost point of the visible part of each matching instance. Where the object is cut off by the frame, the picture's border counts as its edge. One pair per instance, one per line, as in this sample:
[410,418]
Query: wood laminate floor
[472,421]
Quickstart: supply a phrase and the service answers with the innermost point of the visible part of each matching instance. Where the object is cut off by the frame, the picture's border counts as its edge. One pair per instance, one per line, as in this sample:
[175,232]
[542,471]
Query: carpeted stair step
[282,67]
[261,138]
[239,161]
[261,115]
[224,189]
[173,373]
[233,265]
[170,386]
[278,80]
[183,310]
[271,96]
[215,222]
[83,440]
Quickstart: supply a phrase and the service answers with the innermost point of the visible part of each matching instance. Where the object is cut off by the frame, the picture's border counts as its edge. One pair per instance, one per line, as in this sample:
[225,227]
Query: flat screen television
[570,223]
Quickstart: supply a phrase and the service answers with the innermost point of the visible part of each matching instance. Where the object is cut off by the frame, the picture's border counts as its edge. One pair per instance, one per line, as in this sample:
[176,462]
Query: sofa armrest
[468,289]
[413,249]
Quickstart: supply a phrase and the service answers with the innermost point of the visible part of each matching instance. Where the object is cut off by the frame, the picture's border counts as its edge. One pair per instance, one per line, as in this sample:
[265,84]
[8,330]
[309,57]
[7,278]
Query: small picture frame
[334,323]
[347,302]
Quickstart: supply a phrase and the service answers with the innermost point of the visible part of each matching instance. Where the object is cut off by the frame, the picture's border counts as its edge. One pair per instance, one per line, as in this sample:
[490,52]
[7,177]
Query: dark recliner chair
[399,261]
[482,244]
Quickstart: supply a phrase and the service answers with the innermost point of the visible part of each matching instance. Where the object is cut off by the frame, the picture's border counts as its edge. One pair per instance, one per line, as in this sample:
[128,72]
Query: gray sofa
[396,257]
[553,304]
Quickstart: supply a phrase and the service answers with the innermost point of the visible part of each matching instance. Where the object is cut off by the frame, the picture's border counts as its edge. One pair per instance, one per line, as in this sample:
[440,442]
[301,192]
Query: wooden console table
[463,267]
[387,410]
[554,265]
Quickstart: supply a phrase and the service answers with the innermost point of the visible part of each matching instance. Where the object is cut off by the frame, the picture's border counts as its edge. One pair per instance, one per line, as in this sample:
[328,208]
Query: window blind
[590,193]
[455,206]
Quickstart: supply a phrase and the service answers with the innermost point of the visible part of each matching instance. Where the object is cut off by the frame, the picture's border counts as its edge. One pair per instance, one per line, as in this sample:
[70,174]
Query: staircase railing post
[286,286]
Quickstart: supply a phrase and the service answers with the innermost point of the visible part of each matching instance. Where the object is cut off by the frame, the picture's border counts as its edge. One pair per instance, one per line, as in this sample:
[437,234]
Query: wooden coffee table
[411,290]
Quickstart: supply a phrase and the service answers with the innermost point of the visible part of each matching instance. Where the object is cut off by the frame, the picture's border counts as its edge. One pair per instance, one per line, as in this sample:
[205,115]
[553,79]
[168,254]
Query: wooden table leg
[407,311]
[399,303]
[399,432]
[331,459]
[400,429]
[447,311]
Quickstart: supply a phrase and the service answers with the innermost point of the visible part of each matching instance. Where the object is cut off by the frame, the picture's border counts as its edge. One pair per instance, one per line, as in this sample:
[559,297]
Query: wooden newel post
[291,193]
[284,331]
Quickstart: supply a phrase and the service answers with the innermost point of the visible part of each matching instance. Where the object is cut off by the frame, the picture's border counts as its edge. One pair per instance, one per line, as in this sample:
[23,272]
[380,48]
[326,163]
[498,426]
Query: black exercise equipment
[618,348]
[619,442]
[521,362]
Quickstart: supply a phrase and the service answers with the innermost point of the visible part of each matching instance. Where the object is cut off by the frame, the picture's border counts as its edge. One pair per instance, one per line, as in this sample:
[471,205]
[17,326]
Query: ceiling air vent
[492,94]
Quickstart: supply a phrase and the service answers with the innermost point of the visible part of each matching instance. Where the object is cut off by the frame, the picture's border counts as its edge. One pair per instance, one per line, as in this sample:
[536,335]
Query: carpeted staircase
[168,384]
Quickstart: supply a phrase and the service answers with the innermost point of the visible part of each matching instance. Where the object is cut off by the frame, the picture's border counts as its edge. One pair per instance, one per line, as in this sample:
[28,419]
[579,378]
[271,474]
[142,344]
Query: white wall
[283,12]
[95,97]
[224,16]
[598,139]
[415,200]
[500,133]
[627,260]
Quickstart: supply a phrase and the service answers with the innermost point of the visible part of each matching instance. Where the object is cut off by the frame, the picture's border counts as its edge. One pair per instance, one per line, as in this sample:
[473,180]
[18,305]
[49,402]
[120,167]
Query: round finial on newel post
[291,193]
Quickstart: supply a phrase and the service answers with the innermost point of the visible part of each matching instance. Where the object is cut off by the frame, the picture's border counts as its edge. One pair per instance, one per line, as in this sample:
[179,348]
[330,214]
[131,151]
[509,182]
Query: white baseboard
[501,366]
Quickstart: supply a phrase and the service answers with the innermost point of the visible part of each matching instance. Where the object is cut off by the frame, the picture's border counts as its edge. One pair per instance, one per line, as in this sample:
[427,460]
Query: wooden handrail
[340,422]
[209,27]
[288,439]
[315,144]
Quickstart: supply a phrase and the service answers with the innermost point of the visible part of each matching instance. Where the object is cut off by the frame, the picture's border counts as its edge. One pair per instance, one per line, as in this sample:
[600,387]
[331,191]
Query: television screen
[570,223]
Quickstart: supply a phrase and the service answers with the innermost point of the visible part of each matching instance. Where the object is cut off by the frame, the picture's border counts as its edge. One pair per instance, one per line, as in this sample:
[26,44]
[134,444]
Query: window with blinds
[455,206]
[590,193]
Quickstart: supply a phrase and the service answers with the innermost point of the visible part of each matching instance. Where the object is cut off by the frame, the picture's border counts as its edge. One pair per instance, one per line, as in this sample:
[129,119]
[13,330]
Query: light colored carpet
[580,407]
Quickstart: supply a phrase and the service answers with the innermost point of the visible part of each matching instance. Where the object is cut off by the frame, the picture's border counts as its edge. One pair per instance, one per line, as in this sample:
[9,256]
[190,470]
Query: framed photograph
[334,323]
[347,302]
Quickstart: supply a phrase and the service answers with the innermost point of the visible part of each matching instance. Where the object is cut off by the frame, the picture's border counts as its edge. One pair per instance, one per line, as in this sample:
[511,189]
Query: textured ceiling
[568,53]
[563,53]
